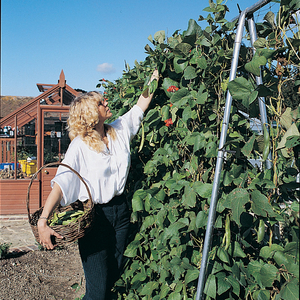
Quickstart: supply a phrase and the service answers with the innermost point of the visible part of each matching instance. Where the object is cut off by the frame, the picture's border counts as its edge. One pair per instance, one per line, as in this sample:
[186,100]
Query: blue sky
[88,39]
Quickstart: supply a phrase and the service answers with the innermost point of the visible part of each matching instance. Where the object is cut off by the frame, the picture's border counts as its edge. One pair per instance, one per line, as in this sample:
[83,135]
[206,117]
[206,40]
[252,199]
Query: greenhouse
[31,136]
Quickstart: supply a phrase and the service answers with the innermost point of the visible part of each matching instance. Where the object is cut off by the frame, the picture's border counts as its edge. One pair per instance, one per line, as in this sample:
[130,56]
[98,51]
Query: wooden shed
[30,137]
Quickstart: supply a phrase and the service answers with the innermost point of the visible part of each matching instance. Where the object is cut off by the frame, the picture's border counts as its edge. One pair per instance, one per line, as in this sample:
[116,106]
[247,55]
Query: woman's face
[104,111]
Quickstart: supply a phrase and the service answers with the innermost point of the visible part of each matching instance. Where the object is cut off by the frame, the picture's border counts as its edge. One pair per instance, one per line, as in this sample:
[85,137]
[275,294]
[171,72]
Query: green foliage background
[255,248]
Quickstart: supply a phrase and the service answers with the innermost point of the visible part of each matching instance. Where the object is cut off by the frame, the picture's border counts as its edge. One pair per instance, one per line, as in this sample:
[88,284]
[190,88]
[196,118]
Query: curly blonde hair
[84,117]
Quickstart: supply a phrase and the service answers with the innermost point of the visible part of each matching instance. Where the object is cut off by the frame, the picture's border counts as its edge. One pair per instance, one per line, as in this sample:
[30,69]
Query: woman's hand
[45,233]
[145,98]
[154,76]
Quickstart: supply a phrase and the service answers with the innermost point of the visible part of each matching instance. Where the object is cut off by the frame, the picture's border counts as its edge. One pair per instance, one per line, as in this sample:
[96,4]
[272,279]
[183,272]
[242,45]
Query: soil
[42,275]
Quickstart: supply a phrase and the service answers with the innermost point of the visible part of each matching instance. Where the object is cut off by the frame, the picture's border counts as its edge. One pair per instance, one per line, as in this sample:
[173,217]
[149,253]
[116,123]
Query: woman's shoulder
[76,141]
[76,144]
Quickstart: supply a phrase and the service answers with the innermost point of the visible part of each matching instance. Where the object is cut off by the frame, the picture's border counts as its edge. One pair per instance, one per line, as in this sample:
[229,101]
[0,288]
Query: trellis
[246,14]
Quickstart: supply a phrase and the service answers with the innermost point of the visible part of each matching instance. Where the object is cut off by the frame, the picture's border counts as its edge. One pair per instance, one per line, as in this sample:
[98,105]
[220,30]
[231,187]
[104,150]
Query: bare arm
[45,231]
[145,99]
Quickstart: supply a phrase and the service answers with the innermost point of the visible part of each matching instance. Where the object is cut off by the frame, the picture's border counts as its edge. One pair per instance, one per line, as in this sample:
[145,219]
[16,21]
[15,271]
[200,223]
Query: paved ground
[15,230]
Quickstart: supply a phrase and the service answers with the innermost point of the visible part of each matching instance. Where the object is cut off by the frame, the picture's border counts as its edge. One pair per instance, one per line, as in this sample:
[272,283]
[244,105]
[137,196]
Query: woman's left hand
[145,98]
[154,76]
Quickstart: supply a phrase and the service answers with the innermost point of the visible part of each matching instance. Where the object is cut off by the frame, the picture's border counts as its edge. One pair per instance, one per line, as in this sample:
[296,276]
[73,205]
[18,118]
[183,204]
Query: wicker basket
[72,231]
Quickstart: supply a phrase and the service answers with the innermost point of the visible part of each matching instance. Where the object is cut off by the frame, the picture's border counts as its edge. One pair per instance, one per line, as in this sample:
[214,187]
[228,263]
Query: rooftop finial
[62,80]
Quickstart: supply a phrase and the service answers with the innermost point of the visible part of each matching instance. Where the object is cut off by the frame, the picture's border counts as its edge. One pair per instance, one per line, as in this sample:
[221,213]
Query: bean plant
[255,245]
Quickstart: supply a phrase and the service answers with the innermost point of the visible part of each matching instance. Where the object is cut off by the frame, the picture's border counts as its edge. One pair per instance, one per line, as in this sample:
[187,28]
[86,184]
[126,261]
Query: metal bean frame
[248,12]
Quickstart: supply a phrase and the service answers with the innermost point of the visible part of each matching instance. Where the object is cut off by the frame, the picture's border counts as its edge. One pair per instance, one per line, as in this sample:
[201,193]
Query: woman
[101,154]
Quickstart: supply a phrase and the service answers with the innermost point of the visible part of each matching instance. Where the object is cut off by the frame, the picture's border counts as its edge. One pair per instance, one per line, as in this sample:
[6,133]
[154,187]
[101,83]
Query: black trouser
[102,248]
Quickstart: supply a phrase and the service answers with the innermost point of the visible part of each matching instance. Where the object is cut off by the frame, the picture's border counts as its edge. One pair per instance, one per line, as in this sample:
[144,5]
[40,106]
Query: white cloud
[106,68]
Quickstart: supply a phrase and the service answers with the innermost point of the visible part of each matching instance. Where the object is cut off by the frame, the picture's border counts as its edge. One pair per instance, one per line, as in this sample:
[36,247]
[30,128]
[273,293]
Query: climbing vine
[255,246]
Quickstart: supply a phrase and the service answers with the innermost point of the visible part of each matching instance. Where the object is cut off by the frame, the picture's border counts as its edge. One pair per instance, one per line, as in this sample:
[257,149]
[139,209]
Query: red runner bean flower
[172,88]
[168,122]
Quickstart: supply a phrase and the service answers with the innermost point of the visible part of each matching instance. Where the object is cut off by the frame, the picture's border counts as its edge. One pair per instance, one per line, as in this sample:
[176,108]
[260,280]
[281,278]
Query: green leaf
[190,73]
[210,288]
[286,119]
[151,116]
[260,205]
[217,268]
[155,204]
[174,296]
[292,131]
[203,189]
[260,43]
[290,291]
[211,149]
[153,86]
[223,255]
[201,219]
[267,53]
[160,195]
[265,252]
[235,284]
[160,36]
[180,64]
[291,248]
[292,141]
[293,268]
[268,273]
[237,251]
[164,290]
[189,197]
[241,89]
[254,65]
[248,147]
[202,63]
[165,112]
[280,258]
[199,143]
[166,84]
[191,275]
[269,17]
[131,249]
[295,43]
[201,97]
[254,268]
[188,114]
[193,29]
[180,98]
[276,247]
[223,284]
[139,277]
[149,288]
[174,228]
[236,200]
[137,200]
[182,48]
[263,295]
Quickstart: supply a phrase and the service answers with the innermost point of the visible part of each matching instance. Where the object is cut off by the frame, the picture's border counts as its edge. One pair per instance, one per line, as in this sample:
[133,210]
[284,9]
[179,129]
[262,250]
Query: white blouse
[106,172]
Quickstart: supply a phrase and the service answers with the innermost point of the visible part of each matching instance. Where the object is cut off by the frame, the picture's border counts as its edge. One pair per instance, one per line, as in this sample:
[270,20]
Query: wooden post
[16,155]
